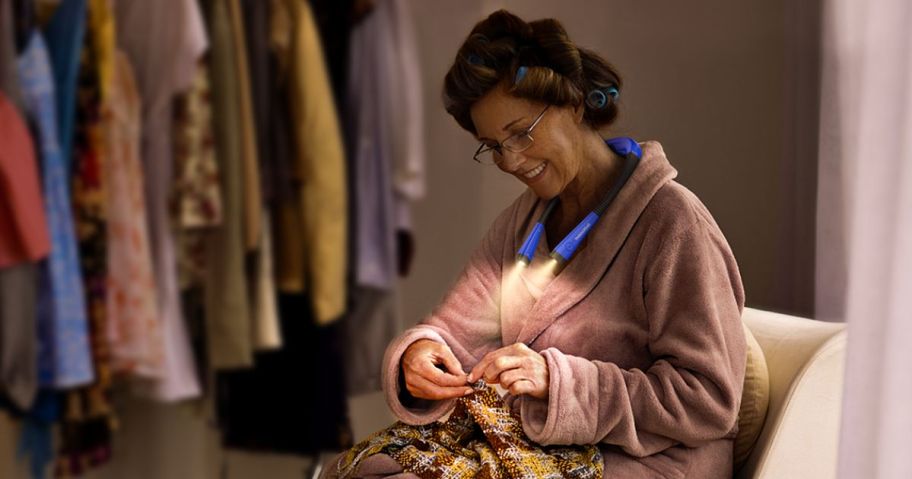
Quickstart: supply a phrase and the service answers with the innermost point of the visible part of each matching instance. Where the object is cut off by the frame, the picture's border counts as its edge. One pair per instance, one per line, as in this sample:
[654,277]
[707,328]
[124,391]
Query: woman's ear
[579,111]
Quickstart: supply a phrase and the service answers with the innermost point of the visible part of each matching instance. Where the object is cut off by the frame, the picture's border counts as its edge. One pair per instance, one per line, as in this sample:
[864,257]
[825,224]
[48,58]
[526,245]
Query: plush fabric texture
[641,331]
[481,438]
[754,400]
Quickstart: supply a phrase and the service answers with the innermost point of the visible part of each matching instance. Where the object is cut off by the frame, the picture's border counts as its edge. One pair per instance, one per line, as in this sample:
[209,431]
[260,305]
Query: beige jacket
[312,232]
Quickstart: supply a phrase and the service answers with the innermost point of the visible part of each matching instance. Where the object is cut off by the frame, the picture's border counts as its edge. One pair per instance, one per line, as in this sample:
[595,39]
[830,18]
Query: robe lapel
[586,269]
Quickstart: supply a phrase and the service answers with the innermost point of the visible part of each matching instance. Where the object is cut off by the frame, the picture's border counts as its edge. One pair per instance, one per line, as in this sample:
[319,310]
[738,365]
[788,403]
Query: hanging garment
[64,35]
[9,77]
[36,441]
[88,418]
[386,146]
[23,240]
[270,104]
[228,321]
[253,198]
[333,20]
[164,41]
[370,131]
[267,334]
[64,359]
[317,221]
[23,226]
[385,137]
[197,192]
[266,409]
[408,149]
[481,438]
[18,340]
[271,121]
[18,284]
[134,329]
[89,169]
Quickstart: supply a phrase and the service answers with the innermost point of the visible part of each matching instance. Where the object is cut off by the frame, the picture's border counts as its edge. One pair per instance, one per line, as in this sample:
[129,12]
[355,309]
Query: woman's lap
[376,466]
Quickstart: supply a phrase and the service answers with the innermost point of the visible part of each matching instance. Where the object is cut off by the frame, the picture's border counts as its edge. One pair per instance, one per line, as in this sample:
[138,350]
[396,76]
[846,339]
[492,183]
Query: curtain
[864,227]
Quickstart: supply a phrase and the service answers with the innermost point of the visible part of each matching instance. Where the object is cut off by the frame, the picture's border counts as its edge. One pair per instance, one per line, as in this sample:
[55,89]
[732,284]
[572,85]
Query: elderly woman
[636,344]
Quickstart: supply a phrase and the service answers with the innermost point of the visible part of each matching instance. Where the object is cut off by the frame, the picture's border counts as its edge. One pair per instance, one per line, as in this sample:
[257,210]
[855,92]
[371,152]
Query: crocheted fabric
[481,438]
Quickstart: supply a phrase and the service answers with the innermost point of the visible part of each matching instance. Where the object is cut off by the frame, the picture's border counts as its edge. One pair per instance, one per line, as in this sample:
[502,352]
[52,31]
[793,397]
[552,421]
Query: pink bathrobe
[641,331]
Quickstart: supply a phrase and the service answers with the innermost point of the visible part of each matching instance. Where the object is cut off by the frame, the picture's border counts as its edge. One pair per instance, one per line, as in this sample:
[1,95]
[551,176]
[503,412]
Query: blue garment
[36,440]
[64,34]
[64,356]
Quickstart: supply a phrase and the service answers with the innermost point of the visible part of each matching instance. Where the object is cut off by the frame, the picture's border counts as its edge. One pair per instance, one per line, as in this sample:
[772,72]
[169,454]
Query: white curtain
[864,243]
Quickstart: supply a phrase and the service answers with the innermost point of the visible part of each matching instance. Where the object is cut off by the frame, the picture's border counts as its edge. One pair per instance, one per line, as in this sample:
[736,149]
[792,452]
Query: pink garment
[23,227]
[641,332]
[134,329]
[164,40]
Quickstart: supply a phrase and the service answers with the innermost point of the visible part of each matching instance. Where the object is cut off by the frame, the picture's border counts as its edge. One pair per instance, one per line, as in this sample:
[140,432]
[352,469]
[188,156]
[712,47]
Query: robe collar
[533,307]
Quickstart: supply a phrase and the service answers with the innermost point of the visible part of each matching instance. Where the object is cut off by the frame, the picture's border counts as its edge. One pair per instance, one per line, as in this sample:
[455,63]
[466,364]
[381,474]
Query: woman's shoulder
[675,210]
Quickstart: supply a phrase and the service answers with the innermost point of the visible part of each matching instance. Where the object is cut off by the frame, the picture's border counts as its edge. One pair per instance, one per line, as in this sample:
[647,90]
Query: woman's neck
[599,168]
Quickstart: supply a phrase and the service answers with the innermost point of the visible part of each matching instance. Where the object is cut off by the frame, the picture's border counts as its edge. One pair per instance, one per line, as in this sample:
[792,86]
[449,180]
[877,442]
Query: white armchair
[800,434]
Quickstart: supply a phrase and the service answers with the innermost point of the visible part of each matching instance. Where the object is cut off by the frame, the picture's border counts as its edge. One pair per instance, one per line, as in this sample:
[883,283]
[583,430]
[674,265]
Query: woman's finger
[451,363]
[499,365]
[422,388]
[479,369]
[434,374]
[508,378]
[522,386]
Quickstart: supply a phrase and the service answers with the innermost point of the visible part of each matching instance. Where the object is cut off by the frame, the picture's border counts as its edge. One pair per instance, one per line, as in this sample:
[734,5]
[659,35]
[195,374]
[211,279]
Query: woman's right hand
[432,371]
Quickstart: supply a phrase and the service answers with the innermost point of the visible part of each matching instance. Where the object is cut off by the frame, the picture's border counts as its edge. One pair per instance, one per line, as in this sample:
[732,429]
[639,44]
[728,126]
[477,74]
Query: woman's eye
[519,132]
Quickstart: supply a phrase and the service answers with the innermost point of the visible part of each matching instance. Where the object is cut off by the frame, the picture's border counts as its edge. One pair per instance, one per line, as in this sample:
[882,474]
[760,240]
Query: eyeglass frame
[501,145]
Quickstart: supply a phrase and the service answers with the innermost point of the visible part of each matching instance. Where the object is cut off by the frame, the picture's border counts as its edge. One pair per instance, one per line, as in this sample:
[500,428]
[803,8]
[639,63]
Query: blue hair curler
[613,91]
[596,99]
[520,74]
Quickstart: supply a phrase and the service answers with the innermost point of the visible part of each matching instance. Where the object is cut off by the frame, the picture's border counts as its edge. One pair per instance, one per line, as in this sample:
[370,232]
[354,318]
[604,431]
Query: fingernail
[468,391]
[469,378]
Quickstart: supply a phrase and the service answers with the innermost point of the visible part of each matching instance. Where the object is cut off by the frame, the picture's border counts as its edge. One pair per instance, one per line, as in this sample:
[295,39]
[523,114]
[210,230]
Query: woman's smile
[535,174]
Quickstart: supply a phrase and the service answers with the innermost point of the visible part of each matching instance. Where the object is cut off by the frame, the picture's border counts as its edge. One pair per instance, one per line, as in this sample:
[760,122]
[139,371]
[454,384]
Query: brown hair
[556,70]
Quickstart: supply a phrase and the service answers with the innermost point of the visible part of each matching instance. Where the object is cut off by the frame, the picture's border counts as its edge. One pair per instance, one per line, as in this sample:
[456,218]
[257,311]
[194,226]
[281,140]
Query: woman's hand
[517,368]
[432,371]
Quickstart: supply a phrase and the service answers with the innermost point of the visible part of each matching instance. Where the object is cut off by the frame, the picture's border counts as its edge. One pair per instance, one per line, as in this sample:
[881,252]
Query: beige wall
[726,87]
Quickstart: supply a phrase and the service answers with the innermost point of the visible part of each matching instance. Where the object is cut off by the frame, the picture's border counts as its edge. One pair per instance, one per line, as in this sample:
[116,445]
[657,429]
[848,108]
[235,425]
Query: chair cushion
[754,400]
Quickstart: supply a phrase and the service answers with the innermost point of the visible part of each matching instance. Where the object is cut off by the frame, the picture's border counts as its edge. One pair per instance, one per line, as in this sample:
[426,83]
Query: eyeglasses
[493,154]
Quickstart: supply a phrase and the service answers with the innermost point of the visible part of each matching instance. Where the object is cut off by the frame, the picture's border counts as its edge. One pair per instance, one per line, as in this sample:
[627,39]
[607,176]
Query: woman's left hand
[517,368]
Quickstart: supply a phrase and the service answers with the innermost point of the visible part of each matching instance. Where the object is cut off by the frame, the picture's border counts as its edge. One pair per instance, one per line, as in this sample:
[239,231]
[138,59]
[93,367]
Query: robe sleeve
[467,320]
[693,299]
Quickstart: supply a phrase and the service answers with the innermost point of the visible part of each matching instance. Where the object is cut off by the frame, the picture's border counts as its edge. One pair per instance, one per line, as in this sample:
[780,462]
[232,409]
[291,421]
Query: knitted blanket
[481,438]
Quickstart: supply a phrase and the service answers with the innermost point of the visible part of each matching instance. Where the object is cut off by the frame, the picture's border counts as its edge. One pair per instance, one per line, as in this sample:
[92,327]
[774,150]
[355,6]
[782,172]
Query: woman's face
[553,160]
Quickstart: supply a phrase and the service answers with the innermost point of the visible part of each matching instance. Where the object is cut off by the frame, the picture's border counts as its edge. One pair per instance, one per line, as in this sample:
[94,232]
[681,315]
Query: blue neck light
[623,146]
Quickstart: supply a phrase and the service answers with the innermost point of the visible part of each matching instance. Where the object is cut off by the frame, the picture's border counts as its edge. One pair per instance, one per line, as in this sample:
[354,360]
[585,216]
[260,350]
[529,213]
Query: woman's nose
[510,161]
